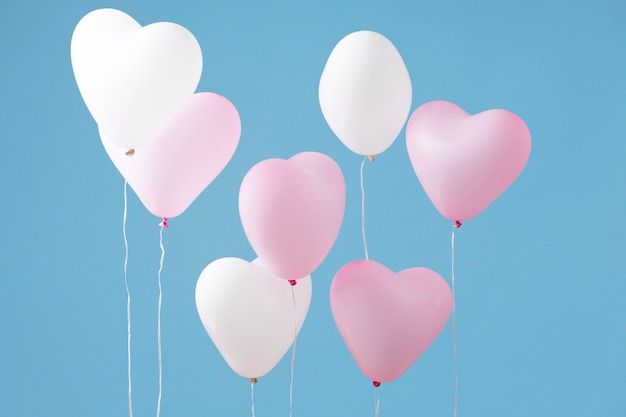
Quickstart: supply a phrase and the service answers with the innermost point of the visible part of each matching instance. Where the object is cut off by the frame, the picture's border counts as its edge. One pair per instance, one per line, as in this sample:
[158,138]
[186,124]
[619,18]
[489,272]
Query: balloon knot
[457,224]
[372,158]
[164,223]
[254,380]
[376,384]
[293,282]
[130,152]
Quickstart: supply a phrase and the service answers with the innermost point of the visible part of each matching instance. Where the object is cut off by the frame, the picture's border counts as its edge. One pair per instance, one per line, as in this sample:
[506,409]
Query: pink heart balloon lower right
[388,319]
[464,162]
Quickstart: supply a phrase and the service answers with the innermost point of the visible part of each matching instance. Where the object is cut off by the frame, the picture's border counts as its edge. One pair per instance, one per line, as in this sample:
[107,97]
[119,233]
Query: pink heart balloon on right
[292,210]
[388,319]
[464,162]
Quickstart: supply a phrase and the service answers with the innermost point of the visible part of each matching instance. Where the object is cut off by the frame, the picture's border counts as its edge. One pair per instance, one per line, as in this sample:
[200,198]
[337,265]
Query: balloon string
[293,350]
[158,411]
[130,384]
[376,401]
[363,210]
[252,382]
[456,373]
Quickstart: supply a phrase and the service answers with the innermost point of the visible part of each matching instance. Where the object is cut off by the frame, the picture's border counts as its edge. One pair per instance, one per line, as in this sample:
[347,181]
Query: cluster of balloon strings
[162,225]
[463,162]
[168,145]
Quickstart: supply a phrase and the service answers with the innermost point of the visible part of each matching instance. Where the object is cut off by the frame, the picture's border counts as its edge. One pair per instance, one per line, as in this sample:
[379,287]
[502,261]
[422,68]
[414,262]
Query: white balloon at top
[133,79]
[365,92]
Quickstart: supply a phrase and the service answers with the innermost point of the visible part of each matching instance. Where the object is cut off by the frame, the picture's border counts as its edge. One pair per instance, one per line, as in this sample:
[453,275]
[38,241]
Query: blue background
[540,273]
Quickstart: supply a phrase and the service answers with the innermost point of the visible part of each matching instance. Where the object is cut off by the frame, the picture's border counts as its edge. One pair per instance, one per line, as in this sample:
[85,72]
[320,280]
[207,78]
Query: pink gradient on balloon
[465,162]
[171,171]
[291,211]
[388,319]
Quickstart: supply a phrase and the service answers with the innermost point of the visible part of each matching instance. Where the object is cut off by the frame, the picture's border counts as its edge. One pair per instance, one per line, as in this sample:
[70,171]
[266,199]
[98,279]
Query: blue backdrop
[540,274]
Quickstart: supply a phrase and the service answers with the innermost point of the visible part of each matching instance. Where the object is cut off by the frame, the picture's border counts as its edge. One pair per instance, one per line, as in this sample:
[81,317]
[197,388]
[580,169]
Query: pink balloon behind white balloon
[171,171]
[291,211]
[464,162]
[388,319]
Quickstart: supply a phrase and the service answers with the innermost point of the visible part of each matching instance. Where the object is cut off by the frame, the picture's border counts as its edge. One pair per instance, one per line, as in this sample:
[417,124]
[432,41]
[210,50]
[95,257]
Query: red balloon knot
[164,223]
[457,224]
[376,384]
[293,282]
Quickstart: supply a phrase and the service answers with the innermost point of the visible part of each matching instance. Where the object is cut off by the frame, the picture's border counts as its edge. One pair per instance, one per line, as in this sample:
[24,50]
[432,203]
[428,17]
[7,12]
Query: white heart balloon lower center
[249,313]
[133,79]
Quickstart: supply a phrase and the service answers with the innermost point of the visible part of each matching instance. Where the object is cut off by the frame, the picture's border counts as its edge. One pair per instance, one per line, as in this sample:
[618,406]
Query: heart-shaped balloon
[465,162]
[365,92]
[250,314]
[291,211]
[388,319]
[133,79]
[171,171]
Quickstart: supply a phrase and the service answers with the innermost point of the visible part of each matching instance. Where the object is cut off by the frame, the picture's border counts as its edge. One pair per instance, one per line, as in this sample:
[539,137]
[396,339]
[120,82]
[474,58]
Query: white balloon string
[363,210]
[158,412]
[252,382]
[376,402]
[293,350]
[456,370]
[130,384]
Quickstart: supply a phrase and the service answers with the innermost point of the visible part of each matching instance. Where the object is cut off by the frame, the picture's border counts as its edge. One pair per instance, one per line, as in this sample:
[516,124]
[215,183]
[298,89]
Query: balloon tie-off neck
[457,224]
[372,158]
[164,223]
[130,152]
[292,282]
[254,380]
[376,384]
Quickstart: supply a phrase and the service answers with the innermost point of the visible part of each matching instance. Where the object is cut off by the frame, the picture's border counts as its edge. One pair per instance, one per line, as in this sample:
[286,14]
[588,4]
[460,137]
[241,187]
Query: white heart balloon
[249,313]
[133,79]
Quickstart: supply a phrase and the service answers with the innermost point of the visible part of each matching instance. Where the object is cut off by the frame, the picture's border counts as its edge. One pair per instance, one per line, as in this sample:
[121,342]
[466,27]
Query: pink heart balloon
[388,319]
[465,162]
[171,171]
[291,211]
